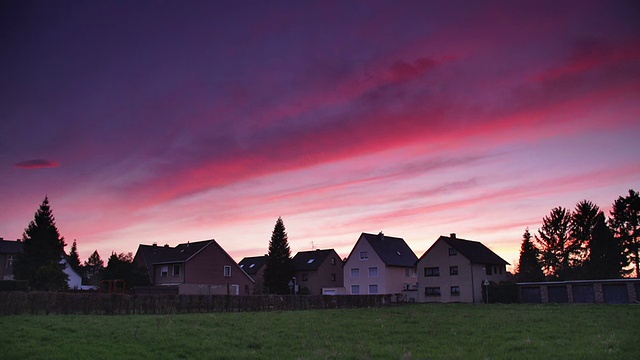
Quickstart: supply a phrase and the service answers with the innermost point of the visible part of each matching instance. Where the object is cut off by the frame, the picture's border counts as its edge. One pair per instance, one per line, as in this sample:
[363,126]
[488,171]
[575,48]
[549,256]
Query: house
[201,267]
[254,266]
[318,272]
[9,251]
[380,264]
[455,270]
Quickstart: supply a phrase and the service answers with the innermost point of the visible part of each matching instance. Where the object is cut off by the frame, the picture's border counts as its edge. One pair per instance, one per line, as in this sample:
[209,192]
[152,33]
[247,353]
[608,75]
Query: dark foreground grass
[427,331]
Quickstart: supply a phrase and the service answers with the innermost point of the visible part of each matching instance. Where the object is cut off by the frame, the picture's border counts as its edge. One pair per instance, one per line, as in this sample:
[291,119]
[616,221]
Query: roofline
[445,238]
[568,282]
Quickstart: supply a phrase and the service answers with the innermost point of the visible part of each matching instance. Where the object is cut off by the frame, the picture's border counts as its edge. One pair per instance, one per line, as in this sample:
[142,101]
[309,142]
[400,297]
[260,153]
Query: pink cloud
[37,164]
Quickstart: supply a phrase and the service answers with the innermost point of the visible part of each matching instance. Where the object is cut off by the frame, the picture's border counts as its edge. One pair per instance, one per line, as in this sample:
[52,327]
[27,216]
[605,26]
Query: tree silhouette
[529,267]
[279,265]
[555,244]
[74,258]
[606,252]
[121,267]
[39,264]
[94,268]
[625,223]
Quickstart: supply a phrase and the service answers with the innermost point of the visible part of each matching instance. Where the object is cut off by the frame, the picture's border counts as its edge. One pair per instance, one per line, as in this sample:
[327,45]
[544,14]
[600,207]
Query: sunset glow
[170,122]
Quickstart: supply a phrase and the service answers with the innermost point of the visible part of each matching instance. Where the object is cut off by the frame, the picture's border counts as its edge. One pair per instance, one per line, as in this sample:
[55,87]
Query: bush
[14,285]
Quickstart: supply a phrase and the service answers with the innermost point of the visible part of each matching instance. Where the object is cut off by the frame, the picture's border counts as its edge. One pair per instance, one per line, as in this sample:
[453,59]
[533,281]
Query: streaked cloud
[37,164]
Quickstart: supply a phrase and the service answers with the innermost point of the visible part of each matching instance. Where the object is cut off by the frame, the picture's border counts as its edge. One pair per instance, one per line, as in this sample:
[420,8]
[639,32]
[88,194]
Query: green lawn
[428,331]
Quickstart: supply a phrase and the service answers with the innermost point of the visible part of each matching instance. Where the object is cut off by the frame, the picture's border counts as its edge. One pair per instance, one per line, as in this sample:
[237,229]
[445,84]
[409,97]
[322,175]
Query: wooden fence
[36,303]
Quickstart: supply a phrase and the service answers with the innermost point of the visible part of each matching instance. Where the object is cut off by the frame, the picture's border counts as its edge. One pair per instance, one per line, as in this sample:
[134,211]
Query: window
[333,261]
[10,260]
[364,255]
[164,270]
[432,271]
[355,272]
[487,269]
[333,277]
[176,270]
[252,265]
[355,289]
[453,252]
[305,277]
[310,261]
[455,291]
[500,268]
[432,291]
[227,271]
[241,266]
[453,270]
[410,272]
[373,288]
[373,271]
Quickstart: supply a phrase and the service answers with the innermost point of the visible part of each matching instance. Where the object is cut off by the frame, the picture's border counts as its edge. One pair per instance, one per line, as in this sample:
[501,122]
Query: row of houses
[451,270]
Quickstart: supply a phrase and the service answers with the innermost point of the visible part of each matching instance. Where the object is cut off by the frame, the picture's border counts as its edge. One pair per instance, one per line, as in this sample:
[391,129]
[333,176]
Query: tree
[39,264]
[279,265]
[529,267]
[122,267]
[625,223]
[555,244]
[583,223]
[606,253]
[74,258]
[93,268]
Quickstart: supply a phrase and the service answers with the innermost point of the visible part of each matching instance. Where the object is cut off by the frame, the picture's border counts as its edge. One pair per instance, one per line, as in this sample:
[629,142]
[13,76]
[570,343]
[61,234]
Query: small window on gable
[227,271]
[453,252]
[364,255]
[333,277]
[333,261]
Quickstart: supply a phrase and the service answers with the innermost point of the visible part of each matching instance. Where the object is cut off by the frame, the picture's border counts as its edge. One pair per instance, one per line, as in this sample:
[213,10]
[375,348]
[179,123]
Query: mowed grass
[420,331]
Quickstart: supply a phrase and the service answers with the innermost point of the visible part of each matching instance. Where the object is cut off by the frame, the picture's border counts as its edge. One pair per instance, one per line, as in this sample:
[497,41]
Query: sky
[173,121]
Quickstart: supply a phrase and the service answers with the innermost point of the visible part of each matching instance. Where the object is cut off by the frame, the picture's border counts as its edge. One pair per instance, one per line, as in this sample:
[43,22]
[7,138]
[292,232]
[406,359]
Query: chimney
[452,235]
[155,244]
[381,236]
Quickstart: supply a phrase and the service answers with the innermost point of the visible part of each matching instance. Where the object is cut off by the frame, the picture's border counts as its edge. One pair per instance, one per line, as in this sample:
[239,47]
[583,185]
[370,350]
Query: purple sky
[172,121]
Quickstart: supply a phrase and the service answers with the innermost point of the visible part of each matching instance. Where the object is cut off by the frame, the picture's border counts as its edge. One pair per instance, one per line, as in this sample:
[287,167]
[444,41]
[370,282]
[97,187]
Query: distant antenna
[313,246]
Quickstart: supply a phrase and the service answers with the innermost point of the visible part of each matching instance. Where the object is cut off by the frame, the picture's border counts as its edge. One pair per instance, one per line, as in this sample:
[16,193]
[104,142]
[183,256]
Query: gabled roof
[153,254]
[11,247]
[475,251]
[310,260]
[392,251]
[251,265]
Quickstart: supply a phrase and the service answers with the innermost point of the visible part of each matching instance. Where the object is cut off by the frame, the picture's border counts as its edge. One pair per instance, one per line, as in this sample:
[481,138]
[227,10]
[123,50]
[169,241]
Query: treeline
[584,243]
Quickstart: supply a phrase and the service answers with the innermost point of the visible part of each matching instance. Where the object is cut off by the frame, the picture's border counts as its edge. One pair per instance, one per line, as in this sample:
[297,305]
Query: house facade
[318,272]
[254,267]
[456,270]
[202,267]
[380,264]
[9,251]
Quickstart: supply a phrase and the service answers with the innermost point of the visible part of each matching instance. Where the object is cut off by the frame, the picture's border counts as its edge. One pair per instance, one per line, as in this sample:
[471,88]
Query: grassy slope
[426,331]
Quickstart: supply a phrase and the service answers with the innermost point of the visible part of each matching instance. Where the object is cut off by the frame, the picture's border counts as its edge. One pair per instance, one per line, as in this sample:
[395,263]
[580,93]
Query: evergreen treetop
[279,265]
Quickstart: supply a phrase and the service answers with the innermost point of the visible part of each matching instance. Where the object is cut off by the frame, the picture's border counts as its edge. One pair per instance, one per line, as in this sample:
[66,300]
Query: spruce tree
[94,268]
[625,223]
[555,244]
[74,258]
[529,267]
[279,265]
[39,264]
[606,252]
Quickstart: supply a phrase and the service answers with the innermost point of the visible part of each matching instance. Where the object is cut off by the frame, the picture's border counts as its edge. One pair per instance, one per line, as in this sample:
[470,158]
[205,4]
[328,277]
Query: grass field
[426,331]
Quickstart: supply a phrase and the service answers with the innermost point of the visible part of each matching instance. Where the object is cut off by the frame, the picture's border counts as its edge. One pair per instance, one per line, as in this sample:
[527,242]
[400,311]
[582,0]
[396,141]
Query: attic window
[453,252]
[227,271]
[310,261]
[252,265]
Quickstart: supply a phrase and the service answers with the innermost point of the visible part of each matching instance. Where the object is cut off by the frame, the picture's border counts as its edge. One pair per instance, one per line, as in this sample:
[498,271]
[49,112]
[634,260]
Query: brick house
[201,267]
[254,266]
[9,251]
[317,270]
[380,264]
[455,270]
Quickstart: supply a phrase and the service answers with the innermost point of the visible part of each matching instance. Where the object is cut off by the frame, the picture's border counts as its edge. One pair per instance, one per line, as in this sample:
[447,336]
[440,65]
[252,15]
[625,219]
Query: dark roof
[310,260]
[475,251]
[154,254]
[11,247]
[392,250]
[251,265]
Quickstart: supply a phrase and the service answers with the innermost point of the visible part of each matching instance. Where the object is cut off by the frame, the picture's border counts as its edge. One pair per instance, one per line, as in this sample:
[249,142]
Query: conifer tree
[94,268]
[625,223]
[279,265]
[39,264]
[555,244]
[74,258]
[529,267]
